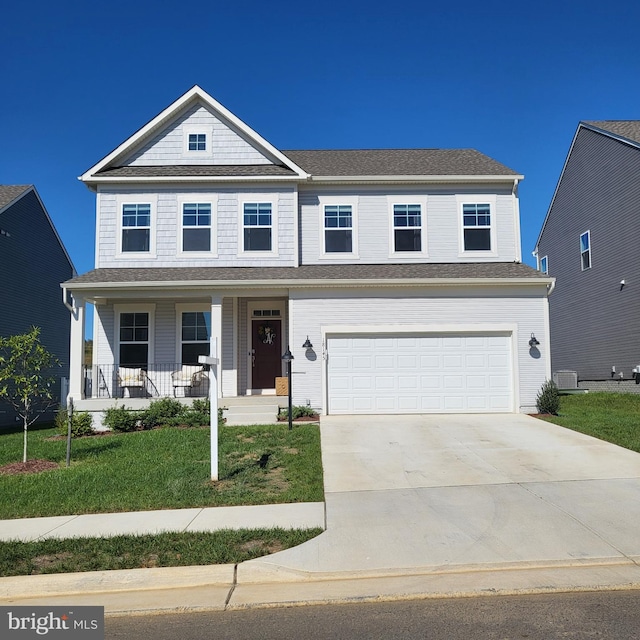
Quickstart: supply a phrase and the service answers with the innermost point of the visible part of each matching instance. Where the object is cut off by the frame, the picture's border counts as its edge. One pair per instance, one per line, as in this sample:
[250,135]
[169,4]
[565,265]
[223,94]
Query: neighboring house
[589,243]
[394,275]
[33,263]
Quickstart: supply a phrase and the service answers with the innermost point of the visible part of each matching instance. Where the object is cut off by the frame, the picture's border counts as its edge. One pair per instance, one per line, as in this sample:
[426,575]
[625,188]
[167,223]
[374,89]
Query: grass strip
[166,468]
[614,417]
[134,552]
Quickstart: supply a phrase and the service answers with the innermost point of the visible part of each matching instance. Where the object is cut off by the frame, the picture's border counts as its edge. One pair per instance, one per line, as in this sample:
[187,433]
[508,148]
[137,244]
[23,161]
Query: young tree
[25,377]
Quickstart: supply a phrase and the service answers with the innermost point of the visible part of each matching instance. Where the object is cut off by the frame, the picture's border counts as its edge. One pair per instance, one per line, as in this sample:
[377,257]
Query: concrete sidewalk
[417,506]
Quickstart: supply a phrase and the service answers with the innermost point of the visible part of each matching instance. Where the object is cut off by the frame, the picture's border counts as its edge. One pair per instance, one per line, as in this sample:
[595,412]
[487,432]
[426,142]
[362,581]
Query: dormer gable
[193,139]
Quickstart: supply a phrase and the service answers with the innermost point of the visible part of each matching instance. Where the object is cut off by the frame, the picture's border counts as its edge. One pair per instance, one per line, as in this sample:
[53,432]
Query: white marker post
[213,361]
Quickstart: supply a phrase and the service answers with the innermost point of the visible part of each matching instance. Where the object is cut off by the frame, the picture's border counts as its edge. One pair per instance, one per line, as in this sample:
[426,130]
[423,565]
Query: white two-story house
[393,275]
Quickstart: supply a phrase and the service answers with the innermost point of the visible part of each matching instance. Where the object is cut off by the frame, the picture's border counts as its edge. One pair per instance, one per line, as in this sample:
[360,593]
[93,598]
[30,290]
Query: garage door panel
[425,373]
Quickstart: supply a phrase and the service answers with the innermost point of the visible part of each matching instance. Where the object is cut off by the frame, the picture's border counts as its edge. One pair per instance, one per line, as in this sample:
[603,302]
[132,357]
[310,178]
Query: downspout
[65,301]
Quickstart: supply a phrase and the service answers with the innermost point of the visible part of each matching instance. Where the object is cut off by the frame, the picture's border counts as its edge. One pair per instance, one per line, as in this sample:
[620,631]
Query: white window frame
[543,265]
[188,308]
[351,201]
[150,309]
[586,251]
[198,198]
[137,198]
[258,198]
[408,255]
[489,199]
[191,129]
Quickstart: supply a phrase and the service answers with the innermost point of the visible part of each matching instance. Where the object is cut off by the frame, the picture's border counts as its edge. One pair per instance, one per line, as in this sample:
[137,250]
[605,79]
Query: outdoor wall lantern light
[533,342]
[287,356]
[307,344]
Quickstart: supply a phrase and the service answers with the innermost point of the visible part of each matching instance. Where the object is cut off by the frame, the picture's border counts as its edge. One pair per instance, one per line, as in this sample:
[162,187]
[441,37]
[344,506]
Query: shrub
[299,411]
[548,399]
[121,419]
[81,424]
[161,412]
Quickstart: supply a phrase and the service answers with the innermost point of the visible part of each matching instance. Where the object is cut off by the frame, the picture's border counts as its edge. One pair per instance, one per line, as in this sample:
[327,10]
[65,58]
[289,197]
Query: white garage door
[425,373]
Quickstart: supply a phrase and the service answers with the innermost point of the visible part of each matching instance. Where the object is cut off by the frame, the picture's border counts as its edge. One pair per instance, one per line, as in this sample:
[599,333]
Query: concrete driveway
[447,493]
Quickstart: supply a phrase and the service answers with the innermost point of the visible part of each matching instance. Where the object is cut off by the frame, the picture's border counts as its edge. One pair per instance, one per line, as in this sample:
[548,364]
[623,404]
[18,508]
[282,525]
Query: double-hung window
[338,228]
[196,227]
[136,227]
[544,265]
[407,227]
[476,227]
[585,250]
[195,335]
[258,226]
[134,340]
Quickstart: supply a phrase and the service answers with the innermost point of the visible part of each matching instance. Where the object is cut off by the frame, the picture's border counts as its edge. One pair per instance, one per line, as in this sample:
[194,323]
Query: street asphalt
[415,506]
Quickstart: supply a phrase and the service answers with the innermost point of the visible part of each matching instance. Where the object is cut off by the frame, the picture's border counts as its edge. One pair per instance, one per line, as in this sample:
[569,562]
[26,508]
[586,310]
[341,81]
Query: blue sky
[509,79]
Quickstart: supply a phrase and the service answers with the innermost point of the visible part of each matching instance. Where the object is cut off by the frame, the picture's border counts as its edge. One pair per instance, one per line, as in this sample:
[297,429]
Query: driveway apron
[425,493]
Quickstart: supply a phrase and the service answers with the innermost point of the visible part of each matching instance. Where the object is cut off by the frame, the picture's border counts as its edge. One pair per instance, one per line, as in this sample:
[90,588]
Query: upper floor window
[258,226]
[407,227]
[197,142]
[585,250]
[476,225]
[338,228]
[544,265]
[196,226]
[136,227]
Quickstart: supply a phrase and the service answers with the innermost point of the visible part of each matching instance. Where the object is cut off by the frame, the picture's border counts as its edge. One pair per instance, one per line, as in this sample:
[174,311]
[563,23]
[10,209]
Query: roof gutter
[418,178]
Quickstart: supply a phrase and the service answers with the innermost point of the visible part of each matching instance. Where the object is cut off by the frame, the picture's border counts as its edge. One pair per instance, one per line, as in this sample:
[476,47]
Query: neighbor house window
[197,142]
[338,228]
[134,339]
[407,227]
[476,226]
[585,250]
[196,226]
[136,227]
[195,335]
[258,226]
[544,264]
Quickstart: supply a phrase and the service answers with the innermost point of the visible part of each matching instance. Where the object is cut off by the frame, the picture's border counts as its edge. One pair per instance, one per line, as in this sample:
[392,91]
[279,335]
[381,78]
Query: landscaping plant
[548,399]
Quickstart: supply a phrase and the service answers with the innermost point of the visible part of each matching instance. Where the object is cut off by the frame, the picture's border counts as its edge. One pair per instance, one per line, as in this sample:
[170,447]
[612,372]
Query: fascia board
[304,284]
[394,178]
[189,179]
[172,110]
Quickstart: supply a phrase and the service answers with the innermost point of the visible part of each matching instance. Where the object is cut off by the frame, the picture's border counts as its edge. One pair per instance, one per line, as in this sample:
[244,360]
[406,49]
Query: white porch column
[76,351]
[216,334]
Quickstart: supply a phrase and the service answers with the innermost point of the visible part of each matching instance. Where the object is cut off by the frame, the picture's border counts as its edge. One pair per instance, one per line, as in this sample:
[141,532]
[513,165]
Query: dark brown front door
[266,343]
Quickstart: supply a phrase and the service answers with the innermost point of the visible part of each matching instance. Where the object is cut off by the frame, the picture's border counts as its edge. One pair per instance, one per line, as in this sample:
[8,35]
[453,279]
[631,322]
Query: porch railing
[158,380]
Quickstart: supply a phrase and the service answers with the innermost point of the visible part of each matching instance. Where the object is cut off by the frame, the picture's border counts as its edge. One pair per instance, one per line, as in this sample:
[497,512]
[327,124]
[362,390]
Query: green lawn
[165,468]
[614,417]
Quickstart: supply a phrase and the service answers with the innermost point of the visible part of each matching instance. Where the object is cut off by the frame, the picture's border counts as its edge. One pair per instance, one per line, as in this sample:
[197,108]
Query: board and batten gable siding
[165,228]
[441,224]
[32,266]
[228,147]
[594,323]
[485,309]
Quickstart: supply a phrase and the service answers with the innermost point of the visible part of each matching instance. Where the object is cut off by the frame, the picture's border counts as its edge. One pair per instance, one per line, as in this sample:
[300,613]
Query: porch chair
[188,377]
[130,378]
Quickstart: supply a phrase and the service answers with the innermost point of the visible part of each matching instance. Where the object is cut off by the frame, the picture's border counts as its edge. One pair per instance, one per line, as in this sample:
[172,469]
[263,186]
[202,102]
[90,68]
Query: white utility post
[213,361]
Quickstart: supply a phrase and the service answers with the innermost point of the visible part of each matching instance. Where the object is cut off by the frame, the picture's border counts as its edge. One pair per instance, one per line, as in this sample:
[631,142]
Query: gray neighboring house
[589,244]
[33,263]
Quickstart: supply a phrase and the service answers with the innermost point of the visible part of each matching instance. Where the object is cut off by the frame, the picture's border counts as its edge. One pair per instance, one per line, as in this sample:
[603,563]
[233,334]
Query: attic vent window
[197,142]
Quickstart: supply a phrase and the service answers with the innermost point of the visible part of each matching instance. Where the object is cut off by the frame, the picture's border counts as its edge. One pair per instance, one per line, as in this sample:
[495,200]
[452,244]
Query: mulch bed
[301,419]
[30,466]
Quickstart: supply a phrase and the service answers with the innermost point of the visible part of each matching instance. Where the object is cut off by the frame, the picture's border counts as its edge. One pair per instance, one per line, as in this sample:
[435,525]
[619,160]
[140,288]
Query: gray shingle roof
[196,171]
[397,162]
[320,273]
[9,192]
[626,128]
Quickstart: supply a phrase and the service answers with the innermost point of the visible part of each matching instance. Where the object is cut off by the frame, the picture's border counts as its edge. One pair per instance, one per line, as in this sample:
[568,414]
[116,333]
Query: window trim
[489,199]
[118,310]
[197,198]
[137,198]
[586,251]
[408,255]
[194,129]
[351,201]
[189,308]
[258,198]
[543,265]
